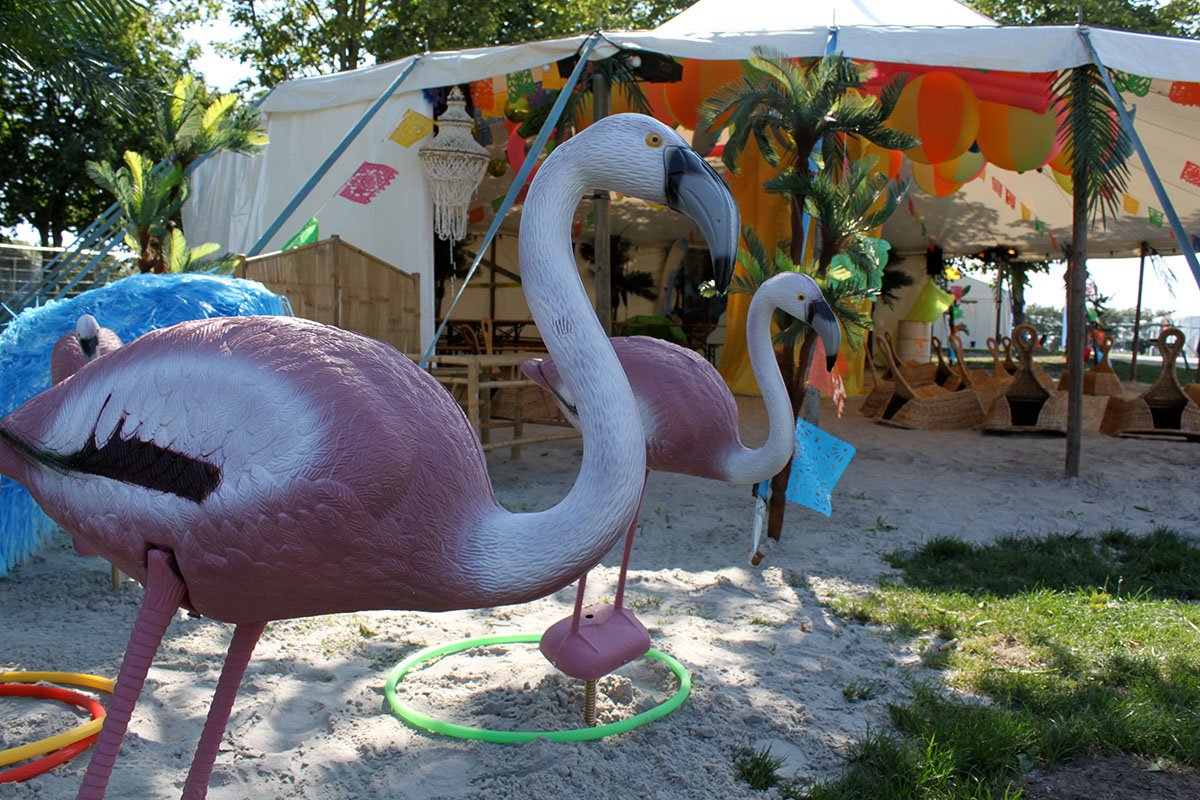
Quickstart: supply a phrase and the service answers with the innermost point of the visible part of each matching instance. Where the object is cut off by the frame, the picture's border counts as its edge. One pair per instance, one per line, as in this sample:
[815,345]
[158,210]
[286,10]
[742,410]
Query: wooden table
[477,376]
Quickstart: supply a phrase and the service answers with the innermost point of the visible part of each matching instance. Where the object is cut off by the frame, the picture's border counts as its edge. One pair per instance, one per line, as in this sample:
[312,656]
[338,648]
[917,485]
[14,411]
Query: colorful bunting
[308,234]
[1130,205]
[414,126]
[366,182]
[1184,93]
[817,465]
[1128,82]
[496,203]
[1191,173]
[475,215]
[1156,216]
[997,187]
[551,79]
[1010,198]
[520,83]
[482,97]
[1026,214]
[1038,225]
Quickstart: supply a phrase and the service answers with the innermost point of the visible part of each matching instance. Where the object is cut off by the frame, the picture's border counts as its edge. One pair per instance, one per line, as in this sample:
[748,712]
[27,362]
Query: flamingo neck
[756,464]
[521,556]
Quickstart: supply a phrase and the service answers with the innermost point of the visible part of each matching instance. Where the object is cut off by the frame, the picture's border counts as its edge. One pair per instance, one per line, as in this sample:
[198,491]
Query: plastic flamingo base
[607,639]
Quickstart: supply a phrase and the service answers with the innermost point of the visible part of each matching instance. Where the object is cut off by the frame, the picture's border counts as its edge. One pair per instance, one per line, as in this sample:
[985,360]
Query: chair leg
[245,637]
[164,591]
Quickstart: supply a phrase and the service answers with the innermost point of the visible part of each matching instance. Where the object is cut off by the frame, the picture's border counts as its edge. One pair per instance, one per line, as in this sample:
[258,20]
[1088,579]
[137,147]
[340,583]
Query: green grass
[757,768]
[1066,644]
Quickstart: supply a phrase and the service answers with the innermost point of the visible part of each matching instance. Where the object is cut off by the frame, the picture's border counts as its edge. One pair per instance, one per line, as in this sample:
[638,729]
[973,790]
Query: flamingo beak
[696,190]
[822,320]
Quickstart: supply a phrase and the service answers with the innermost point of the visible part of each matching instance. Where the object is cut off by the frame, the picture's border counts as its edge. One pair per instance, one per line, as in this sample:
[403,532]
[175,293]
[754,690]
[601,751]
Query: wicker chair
[1164,409]
[882,389]
[981,381]
[1029,405]
[916,374]
[1100,379]
[945,376]
[928,407]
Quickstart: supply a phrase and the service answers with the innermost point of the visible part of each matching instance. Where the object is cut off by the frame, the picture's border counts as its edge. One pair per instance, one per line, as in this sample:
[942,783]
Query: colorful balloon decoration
[1014,138]
[966,167]
[497,167]
[931,181]
[941,110]
[684,97]
[517,109]
[888,162]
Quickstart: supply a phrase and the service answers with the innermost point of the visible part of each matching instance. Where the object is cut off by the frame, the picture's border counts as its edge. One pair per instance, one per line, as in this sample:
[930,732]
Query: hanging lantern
[1014,138]
[453,163]
[940,110]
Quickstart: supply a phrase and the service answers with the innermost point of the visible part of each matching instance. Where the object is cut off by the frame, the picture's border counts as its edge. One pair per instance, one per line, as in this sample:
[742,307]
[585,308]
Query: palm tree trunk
[795,377]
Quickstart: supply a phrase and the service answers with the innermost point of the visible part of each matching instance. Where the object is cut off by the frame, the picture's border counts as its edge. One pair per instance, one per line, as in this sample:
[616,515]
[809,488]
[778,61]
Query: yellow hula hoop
[51,743]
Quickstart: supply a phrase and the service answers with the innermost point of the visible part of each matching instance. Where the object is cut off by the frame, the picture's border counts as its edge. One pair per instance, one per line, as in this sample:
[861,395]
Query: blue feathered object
[131,306]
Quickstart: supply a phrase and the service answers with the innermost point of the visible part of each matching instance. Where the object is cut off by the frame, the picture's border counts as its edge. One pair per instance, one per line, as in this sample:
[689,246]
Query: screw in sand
[589,703]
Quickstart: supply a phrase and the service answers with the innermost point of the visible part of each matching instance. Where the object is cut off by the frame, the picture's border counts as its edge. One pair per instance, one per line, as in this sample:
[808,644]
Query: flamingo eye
[654,140]
[801,298]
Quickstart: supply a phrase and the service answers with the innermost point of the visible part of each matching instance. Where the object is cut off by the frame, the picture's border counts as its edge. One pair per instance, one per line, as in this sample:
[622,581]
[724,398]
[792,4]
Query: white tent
[236,199]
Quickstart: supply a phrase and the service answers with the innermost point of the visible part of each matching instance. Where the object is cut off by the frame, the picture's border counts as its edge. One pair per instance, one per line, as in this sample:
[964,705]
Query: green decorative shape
[425,722]
[308,234]
[520,84]
[496,203]
[1156,216]
[1133,84]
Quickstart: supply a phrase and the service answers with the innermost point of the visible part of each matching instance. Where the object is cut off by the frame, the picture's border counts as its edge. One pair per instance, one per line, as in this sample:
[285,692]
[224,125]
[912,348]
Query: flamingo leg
[164,591]
[245,637]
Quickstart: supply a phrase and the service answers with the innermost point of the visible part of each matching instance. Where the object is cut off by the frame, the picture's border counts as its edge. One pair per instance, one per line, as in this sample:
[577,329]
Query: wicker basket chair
[945,375]
[915,373]
[1164,409]
[1100,379]
[928,407]
[981,381]
[1029,405]
[998,369]
[882,389]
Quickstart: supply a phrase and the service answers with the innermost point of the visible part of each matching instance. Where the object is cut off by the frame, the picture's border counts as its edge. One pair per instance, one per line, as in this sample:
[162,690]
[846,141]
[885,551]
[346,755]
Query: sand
[769,662]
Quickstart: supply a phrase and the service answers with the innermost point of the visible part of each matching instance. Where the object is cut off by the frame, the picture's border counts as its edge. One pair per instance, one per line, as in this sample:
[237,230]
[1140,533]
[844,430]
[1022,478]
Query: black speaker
[935,261]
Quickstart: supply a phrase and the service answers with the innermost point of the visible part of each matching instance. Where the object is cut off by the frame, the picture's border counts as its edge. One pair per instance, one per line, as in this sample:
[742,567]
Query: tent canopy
[235,201]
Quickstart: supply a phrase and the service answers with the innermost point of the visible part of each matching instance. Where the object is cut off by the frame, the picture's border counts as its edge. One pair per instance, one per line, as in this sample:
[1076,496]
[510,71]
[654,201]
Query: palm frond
[1100,148]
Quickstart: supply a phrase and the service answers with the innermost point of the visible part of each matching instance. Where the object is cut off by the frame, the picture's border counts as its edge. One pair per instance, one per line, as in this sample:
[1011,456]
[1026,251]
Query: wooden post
[601,104]
[1137,313]
[1076,327]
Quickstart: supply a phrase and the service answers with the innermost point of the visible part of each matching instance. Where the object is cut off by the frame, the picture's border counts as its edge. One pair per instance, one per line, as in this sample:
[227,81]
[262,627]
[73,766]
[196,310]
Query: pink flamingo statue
[259,468]
[73,350]
[70,353]
[690,422]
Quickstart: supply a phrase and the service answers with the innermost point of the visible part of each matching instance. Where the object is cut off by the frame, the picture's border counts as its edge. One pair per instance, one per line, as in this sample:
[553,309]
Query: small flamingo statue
[690,421]
[259,468]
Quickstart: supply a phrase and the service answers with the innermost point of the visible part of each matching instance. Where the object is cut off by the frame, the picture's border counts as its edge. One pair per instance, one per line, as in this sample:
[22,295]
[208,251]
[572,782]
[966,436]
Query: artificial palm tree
[792,109]
[191,122]
[148,199]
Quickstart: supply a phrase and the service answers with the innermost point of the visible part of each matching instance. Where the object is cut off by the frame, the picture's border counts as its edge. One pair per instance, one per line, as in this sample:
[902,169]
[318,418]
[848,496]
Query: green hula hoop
[425,722]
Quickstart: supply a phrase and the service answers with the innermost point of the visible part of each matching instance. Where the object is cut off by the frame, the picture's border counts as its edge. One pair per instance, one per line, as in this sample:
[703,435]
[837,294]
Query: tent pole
[539,144]
[601,105]
[1137,313]
[329,161]
[1181,237]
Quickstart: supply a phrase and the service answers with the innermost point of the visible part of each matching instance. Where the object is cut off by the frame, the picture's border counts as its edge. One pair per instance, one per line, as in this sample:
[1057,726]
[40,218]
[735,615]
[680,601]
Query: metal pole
[601,103]
[330,160]
[1181,237]
[1137,313]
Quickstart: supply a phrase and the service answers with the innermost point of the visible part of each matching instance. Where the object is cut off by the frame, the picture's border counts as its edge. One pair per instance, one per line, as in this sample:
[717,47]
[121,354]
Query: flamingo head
[639,156]
[798,294]
[87,331]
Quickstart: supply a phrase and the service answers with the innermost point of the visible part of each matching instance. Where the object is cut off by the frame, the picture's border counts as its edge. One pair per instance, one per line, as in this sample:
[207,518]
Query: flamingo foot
[164,592]
[606,638]
[245,637]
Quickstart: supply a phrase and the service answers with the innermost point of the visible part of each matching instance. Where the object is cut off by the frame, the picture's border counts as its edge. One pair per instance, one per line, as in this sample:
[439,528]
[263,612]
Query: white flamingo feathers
[258,468]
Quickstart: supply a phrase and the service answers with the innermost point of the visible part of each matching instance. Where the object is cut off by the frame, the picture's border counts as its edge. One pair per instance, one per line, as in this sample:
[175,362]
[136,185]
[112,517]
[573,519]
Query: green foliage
[71,47]
[1078,643]
[757,768]
[624,281]
[846,294]
[1100,146]
[191,122]
[148,199]
[793,106]
[292,39]
[179,257]
[1176,17]
[655,327]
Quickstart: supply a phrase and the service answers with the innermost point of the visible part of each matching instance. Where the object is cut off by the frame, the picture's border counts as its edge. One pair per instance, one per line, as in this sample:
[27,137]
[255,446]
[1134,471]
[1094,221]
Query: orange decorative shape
[941,110]
[1184,93]
[1014,138]
[684,97]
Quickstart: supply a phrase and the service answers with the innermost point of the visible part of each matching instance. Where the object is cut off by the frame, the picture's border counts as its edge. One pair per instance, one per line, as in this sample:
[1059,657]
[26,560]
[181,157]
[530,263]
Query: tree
[292,39]
[1175,18]
[148,200]
[625,282]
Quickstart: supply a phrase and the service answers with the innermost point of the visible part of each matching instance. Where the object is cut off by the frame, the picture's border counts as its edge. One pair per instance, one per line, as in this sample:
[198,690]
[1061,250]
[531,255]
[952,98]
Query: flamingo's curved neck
[760,463]
[521,556]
